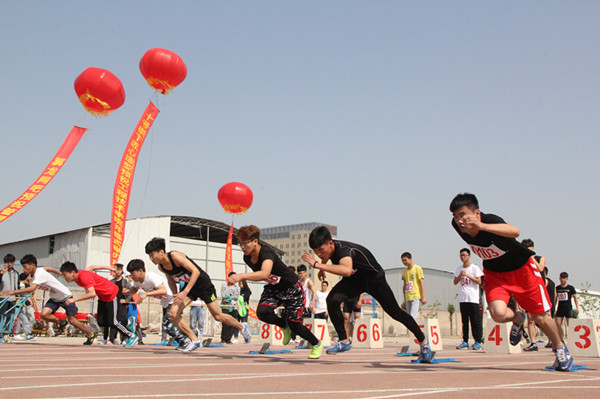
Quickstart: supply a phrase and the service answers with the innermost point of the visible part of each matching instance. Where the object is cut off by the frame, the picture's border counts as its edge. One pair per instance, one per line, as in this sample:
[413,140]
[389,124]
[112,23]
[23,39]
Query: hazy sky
[369,115]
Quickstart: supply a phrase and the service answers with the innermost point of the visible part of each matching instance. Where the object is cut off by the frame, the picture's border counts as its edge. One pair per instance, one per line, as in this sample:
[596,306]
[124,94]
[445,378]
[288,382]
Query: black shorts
[292,300]
[562,312]
[350,305]
[70,310]
[203,289]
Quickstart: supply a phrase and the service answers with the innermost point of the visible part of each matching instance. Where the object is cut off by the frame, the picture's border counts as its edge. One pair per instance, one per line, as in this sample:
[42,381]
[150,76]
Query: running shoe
[287,335]
[564,361]
[191,347]
[61,327]
[131,341]
[181,347]
[30,337]
[316,350]
[425,350]
[90,339]
[339,347]
[476,346]
[549,344]
[463,345]
[18,337]
[516,331]
[531,348]
[246,334]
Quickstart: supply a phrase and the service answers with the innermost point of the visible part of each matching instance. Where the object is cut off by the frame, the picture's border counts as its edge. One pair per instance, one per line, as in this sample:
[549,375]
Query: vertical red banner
[124,180]
[47,175]
[228,249]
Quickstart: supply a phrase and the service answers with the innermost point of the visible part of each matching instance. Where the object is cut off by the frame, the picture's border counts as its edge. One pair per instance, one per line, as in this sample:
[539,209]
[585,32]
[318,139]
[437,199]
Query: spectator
[230,293]
[564,309]
[414,285]
[321,302]
[469,277]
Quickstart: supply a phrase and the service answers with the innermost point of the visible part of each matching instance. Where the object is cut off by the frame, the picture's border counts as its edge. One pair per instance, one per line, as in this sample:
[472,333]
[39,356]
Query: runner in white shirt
[58,295]
[156,286]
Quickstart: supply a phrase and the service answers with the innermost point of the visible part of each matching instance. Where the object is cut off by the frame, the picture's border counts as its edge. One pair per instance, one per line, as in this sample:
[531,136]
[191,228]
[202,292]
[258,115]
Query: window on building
[51,244]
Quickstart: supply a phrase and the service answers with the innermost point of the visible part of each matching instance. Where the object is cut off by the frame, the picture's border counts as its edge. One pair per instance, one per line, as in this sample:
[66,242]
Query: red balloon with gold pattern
[162,69]
[235,197]
[99,91]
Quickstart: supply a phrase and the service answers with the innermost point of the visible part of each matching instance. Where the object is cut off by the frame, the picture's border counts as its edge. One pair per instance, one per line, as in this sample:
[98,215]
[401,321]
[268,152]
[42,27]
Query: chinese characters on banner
[47,175]
[124,181]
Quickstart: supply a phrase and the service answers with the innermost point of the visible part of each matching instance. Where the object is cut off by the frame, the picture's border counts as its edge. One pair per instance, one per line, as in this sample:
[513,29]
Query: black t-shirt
[362,258]
[499,254]
[564,295]
[550,288]
[281,277]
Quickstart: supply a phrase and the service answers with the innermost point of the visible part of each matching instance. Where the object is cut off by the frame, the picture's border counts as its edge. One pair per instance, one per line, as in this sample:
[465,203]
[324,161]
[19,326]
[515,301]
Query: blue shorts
[71,310]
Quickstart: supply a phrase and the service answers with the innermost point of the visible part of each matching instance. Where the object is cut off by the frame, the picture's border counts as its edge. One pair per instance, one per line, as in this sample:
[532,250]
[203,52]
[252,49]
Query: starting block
[404,352]
[584,337]
[574,367]
[433,359]
[265,351]
[207,343]
[497,338]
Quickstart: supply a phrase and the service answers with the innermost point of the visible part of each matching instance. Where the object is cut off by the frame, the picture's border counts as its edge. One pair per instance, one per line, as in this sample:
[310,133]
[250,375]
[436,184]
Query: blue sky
[367,115]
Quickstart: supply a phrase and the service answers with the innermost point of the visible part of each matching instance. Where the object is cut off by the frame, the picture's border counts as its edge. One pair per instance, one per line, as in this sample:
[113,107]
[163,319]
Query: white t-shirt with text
[468,290]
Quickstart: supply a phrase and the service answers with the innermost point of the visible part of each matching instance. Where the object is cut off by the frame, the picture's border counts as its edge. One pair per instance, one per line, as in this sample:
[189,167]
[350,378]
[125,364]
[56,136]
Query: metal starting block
[433,359]
[207,343]
[265,351]
[303,345]
[574,367]
[404,352]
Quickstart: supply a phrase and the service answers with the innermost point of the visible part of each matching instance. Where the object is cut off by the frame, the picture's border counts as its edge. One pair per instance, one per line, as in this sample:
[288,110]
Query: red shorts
[525,284]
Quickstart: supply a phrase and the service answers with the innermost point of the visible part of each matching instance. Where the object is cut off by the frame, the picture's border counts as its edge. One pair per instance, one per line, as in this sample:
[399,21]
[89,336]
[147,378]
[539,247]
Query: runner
[58,295]
[96,285]
[283,289]
[360,273]
[177,267]
[509,269]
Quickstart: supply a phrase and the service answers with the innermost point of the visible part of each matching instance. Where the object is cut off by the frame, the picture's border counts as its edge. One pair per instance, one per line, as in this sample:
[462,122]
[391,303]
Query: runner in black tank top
[177,267]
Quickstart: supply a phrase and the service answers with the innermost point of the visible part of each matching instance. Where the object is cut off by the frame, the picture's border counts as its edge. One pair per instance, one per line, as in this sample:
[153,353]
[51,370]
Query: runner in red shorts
[509,270]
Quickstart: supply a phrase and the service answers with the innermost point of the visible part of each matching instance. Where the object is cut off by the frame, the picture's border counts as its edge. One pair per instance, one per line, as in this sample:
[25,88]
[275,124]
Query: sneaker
[463,345]
[316,350]
[131,341]
[339,347]
[287,335]
[531,348]
[189,348]
[61,327]
[549,344]
[425,350]
[476,346]
[246,334]
[564,361]
[18,337]
[30,337]
[516,330]
[181,347]
[90,339]
[234,341]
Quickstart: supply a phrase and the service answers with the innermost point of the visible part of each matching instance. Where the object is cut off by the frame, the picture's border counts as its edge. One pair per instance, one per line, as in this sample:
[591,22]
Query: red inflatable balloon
[235,197]
[162,69]
[99,91]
